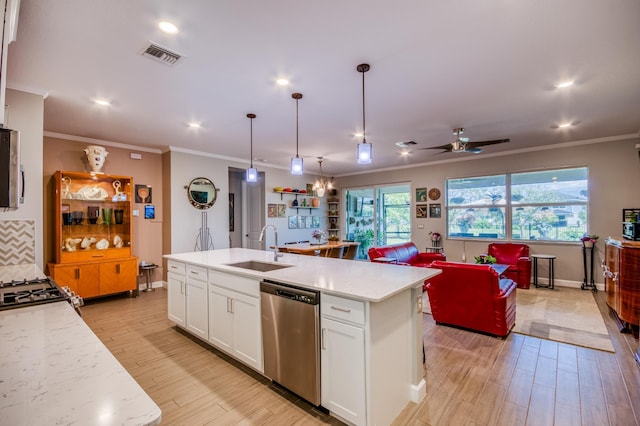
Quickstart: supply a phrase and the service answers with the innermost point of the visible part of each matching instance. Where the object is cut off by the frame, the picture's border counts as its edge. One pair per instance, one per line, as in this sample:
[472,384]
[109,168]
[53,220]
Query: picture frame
[272,210]
[282,210]
[293,222]
[630,215]
[421,195]
[421,211]
[435,211]
[302,222]
[149,211]
[315,221]
[308,222]
[143,194]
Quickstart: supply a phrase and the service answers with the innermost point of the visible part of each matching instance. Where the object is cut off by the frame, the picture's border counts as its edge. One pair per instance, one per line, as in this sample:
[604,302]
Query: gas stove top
[28,292]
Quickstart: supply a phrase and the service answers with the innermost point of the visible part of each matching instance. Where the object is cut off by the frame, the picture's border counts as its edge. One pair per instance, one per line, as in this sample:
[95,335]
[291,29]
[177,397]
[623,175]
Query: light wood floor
[472,379]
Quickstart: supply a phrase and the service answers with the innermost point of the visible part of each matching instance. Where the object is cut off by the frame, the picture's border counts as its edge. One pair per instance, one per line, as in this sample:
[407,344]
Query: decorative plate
[434,194]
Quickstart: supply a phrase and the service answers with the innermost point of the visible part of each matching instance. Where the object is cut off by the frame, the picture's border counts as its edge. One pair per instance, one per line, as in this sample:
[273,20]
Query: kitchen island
[370,321]
[54,369]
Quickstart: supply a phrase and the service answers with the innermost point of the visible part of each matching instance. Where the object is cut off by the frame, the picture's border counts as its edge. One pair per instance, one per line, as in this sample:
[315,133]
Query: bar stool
[146,269]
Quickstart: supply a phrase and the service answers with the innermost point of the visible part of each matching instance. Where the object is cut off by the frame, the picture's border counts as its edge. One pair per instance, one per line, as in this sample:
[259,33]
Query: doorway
[246,210]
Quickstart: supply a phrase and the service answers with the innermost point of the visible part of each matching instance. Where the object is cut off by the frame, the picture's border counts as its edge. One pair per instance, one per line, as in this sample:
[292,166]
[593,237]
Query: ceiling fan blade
[485,143]
[446,147]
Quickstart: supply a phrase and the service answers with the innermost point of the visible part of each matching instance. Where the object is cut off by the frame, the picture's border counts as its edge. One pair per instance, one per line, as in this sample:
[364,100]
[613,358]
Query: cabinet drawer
[197,273]
[248,286]
[176,267]
[343,309]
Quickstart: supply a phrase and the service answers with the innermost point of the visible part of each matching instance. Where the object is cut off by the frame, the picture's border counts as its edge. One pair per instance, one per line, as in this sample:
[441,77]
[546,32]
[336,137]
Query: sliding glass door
[378,216]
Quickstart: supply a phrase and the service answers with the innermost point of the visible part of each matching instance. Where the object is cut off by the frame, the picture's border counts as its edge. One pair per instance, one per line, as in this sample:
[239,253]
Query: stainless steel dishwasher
[290,336]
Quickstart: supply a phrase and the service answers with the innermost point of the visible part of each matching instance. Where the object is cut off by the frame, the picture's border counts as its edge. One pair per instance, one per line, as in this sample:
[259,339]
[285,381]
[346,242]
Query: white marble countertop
[55,371]
[28,271]
[360,280]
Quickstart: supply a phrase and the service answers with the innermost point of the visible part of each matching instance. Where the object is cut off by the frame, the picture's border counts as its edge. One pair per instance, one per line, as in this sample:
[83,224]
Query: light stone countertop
[55,371]
[361,280]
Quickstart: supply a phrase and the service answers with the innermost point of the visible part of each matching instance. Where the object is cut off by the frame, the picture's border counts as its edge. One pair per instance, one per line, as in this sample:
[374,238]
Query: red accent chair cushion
[473,297]
[517,257]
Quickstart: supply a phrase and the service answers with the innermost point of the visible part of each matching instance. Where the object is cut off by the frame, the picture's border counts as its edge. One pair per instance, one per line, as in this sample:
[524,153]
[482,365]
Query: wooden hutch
[94,234]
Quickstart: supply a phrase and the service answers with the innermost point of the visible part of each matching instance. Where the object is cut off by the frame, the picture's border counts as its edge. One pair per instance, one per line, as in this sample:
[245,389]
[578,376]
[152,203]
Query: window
[378,216]
[550,205]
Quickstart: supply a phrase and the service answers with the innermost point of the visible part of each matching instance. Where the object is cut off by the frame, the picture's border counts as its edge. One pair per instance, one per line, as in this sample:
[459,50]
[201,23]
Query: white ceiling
[488,66]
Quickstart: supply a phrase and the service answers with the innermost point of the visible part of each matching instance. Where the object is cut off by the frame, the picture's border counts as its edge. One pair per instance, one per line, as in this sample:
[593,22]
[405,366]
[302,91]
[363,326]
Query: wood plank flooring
[472,379]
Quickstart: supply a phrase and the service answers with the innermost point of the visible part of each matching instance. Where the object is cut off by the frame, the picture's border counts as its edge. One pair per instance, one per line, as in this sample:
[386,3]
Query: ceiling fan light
[296,166]
[364,153]
[252,175]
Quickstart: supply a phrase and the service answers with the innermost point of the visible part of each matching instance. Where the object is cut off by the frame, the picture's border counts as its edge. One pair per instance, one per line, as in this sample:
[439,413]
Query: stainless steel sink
[255,265]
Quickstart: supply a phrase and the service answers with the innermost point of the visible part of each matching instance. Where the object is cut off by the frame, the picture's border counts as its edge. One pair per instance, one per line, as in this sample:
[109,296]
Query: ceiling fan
[463,144]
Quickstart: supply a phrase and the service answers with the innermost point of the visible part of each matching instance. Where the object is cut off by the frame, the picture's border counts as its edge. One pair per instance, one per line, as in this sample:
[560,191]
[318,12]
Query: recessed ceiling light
[194,125]
[103,102]
[404,153]
[168,27]
[282,82]
[564,84]
[564,125]
[358,135]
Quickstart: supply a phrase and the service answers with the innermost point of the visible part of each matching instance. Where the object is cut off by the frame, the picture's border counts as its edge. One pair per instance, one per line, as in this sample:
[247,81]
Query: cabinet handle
[227,304]
[97,255]
[77,273]
[117,268]
[231,305]
[182,287]
[336,308]
[322,338]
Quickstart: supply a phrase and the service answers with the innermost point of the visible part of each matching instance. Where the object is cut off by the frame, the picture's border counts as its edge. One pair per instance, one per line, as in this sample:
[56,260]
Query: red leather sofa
[473,297]
[517,257]
[405,254]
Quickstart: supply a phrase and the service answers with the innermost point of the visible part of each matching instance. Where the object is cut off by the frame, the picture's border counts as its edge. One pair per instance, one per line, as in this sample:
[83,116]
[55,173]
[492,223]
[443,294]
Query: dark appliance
[11,174]
[631,231]
[23,293]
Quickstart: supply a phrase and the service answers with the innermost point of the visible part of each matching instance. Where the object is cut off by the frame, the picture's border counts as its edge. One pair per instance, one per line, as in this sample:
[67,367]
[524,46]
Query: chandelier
[322,185]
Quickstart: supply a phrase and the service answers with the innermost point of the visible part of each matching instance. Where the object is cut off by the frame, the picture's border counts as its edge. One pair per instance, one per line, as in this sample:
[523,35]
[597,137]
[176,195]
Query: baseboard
[154,284]
[566,283]
[419,391]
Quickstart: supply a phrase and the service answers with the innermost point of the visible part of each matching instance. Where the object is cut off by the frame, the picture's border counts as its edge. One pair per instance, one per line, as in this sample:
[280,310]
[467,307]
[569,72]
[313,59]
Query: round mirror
[202,193]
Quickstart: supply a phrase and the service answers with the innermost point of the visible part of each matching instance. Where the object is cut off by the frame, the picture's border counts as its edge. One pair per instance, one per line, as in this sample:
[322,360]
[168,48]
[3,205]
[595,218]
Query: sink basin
[255,265]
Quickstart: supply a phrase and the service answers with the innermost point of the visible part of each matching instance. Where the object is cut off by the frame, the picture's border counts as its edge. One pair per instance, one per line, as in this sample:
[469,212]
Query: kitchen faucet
[276,255]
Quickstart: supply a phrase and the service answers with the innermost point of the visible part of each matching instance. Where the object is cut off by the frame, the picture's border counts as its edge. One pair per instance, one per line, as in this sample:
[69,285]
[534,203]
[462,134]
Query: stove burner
[16,293]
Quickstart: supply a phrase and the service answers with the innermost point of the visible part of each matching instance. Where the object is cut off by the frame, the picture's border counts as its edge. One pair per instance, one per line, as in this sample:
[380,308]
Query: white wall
[186,220]
[614,173]
[26,113]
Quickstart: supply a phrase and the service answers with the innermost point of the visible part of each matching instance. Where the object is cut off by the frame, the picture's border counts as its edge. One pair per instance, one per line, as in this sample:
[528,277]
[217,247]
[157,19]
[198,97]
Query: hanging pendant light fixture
[296,162]
[364,148]
[321,185]
[252,173]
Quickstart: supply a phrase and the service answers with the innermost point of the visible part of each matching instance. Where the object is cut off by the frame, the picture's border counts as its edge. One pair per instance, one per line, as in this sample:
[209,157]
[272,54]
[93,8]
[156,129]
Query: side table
[587,258]
[438,249]
[551,258]
[146,270]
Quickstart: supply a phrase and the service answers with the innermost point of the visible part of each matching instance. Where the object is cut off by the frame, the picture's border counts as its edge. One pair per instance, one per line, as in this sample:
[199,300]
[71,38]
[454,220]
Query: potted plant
[485,259]
[588,240]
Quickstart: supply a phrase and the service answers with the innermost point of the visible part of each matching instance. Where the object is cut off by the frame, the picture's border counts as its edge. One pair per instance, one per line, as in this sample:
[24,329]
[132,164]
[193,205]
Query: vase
[315,202]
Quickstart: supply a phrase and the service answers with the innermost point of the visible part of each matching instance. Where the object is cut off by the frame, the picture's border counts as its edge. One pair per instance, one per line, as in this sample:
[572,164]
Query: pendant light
[364,148]
[321,185]
[296,162]
[252,173]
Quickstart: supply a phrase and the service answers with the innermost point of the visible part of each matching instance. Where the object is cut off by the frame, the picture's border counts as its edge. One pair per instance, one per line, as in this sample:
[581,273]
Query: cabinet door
[220,318]
[83,279]
[118,276]
[176,298]
[247,330]
[197,308]
[65,276]
[343,370]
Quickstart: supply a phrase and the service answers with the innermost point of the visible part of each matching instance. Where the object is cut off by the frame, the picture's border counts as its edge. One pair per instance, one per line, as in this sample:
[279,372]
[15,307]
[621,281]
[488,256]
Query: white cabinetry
[234,317]
[176,290]
[197,304]
[343,358]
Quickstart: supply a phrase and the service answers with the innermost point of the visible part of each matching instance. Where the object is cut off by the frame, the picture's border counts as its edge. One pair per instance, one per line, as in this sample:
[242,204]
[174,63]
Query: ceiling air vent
[161,54]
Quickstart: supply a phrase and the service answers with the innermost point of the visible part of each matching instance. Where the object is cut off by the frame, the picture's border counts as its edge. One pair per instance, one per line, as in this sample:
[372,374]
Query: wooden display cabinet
[94,234]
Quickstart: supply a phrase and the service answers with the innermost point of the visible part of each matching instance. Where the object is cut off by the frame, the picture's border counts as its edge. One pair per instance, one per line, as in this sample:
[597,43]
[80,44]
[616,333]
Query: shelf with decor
[333,213]
[93,233]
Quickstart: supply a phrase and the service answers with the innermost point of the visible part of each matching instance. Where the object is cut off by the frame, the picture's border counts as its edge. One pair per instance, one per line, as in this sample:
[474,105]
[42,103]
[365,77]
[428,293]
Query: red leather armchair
[473,297]
[517,257]
[405,254]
